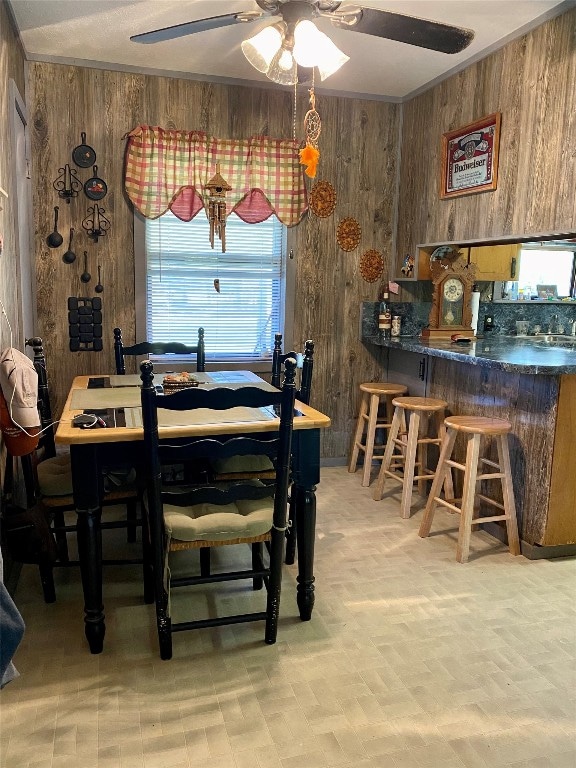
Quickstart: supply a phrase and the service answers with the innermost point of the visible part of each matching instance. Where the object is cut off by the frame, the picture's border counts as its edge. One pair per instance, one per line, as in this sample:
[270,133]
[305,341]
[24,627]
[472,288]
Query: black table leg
[86,479]
[306,443]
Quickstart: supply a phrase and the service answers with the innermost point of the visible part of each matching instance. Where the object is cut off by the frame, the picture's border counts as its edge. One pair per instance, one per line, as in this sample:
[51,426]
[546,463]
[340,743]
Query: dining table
[117,438]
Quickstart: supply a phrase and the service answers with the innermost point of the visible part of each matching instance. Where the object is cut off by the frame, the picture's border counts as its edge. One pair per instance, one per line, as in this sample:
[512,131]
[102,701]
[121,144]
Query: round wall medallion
[322,199]
[371,265]
[348,234]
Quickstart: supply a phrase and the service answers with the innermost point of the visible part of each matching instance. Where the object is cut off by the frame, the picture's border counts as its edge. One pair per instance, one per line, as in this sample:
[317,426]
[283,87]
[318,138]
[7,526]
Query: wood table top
[128,397]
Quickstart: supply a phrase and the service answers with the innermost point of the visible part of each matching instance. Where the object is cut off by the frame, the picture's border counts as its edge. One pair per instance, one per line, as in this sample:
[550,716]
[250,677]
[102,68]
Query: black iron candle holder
[95,223]
[67,184]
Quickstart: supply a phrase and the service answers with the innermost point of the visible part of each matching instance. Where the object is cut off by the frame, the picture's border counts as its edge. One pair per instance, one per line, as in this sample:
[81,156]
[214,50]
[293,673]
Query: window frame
[176,363]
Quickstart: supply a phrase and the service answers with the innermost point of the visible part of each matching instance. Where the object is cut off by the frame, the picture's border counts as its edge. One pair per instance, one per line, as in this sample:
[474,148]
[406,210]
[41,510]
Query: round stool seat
[482,425]
[383,388]
[420,403]
[373,395]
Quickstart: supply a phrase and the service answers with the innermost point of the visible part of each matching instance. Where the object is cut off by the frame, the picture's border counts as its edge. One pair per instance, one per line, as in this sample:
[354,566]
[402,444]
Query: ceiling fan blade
[404,29]
[200,25]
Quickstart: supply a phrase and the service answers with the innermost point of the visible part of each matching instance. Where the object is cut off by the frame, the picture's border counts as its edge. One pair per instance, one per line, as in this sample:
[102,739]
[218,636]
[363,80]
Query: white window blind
[181,269]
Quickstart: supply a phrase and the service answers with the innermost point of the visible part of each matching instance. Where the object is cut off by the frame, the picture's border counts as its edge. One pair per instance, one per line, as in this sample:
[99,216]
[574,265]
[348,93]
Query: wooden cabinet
[496,262]
[493,262]
[408,368]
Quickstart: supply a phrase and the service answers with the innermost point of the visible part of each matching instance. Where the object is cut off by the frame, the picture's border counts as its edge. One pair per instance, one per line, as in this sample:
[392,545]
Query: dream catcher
[216,207]
[310,155]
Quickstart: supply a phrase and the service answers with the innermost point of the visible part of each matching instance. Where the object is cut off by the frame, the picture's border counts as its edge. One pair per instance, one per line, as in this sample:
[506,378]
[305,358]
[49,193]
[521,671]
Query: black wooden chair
[237,467]
[212,515]
[304,390]
[158,348]
[48,480]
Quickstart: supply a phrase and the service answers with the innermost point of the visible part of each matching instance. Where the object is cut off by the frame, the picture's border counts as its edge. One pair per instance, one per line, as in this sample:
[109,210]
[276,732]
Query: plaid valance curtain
[168,169]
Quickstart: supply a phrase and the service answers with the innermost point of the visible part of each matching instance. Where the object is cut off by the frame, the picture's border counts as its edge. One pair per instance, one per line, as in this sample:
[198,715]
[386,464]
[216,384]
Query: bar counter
[534,387]
[504,353]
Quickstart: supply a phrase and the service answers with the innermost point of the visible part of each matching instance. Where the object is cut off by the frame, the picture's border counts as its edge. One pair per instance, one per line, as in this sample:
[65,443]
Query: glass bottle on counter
[385,315]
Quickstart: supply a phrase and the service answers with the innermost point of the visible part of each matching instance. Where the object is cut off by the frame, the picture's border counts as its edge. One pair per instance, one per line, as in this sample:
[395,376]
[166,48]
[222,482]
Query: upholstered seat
[55,476]
[210,522]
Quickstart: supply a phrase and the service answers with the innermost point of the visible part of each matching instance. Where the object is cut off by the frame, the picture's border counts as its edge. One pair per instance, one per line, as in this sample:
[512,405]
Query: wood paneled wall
[358,145]
[531,81]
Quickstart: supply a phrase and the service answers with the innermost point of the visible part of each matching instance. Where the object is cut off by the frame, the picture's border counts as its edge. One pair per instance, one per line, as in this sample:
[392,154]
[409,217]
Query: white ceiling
[97,32]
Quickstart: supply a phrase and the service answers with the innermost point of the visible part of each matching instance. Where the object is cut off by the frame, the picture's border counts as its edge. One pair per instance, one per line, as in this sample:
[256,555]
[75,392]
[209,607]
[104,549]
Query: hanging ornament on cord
[310,155]
[216,207]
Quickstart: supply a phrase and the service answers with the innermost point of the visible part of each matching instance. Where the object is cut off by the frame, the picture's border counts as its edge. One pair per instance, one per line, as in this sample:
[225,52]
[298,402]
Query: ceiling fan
[279,49]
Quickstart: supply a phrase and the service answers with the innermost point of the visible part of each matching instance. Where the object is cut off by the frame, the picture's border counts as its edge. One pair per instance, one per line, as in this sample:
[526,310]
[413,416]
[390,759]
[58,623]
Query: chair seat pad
[212,522]
[235,464]
[55,476]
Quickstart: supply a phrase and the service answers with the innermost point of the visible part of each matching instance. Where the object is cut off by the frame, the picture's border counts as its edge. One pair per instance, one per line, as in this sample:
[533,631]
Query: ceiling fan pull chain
[294,113]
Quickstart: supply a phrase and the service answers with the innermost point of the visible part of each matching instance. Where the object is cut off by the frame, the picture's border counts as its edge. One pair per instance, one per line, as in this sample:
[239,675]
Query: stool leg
[409,463]
[441,470]
[508,494]
[397,420]
[468,496]
[370,438]
[359,432]
[448,480]
[423,454]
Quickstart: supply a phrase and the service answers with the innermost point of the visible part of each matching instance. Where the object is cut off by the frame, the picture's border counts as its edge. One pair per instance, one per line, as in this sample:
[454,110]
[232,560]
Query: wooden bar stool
[412,447]
[474,427]
[372,394]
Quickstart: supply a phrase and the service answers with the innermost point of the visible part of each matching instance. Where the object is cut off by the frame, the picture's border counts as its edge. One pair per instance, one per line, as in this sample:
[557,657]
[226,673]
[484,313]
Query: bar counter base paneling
[532,551]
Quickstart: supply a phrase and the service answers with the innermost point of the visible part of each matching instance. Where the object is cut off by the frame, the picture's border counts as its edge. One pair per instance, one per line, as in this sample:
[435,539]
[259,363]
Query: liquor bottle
[385,316]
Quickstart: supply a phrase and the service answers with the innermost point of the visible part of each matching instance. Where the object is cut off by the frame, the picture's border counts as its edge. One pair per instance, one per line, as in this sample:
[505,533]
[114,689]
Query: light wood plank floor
[410,661]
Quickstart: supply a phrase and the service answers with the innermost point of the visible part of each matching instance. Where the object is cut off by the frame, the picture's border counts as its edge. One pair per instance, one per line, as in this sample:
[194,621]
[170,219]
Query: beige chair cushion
[234,464]
[210,522]
[55,476]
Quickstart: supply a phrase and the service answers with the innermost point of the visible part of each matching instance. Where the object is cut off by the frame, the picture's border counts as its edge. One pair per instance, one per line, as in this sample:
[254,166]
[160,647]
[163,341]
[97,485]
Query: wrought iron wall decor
[95,223]
[67,184]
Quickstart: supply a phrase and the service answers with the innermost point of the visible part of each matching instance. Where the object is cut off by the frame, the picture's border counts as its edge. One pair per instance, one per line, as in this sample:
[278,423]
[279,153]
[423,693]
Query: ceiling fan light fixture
[332,59]
[260,49]
[307,38]
[283,68]
[312,48]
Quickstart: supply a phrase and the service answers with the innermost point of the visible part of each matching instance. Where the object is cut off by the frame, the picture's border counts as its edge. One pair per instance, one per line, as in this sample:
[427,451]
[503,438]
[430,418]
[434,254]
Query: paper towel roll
[475,305]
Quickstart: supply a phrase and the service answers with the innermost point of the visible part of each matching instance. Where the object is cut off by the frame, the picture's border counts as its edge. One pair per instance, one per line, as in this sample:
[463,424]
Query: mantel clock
[451,300]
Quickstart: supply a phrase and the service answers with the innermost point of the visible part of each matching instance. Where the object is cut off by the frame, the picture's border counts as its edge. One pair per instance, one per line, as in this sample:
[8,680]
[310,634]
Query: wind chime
[216,207]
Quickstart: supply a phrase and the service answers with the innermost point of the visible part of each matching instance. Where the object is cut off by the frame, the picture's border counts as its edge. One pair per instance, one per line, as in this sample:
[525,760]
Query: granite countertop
[506,353]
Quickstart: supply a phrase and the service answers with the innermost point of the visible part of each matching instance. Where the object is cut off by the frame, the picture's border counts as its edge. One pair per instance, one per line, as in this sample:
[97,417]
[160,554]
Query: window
[546,267]
[183,273]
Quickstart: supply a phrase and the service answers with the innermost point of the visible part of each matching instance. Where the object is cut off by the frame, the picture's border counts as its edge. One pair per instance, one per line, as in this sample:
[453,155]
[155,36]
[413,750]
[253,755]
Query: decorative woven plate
[322,199]
[348,234]
[176,381]
[371,265]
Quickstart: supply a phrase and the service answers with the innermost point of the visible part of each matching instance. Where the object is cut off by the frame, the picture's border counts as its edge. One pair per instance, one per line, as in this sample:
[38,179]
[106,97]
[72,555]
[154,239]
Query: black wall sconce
[67,184]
